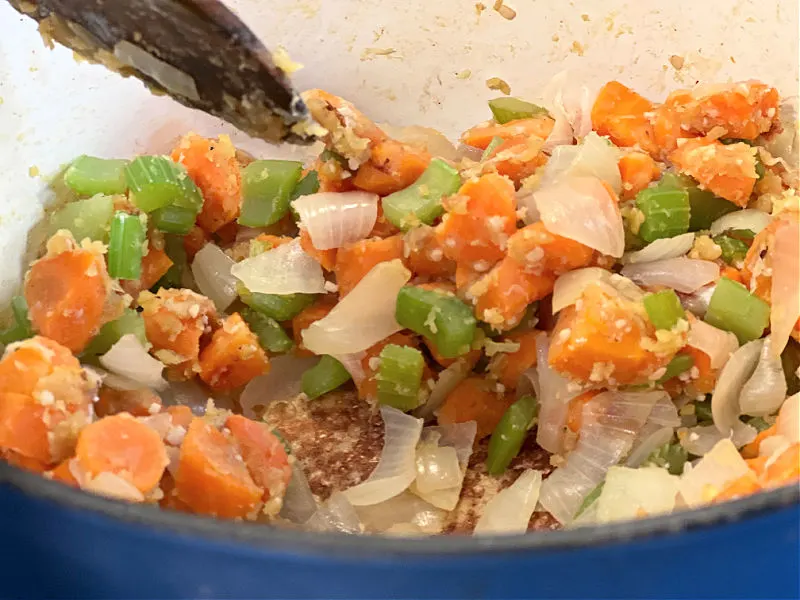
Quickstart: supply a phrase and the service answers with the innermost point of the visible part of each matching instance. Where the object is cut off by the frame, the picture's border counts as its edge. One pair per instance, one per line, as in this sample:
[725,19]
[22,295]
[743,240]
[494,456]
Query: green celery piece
[680,363]
[759,423]
[733,250]
[590,499]
[664,309]
[126,246]
[733,308]
[790,359]
[267,186]
[280,308]
[89,218]
[174,219]
[306,186]
[666,212]
[327,375]
[705,207]
[156,182]
[506,108]
[445,320]
[670,455]
[21,328]
[496,141]
[88,176]
[510,433]
[272,337]
[129,322]
[702,410]
[173,246]
[399,376]
[421,202]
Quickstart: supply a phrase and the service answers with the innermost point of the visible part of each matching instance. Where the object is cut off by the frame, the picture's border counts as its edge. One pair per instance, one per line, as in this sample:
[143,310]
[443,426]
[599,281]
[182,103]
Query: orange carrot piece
[181,416]
[194,241]
[63,473]
[22,427]
[758,262]
[508,367]
[752,449]
[392,167]
[745,485]
[481,135]
[155,265]
[135,402]
[233,357]
[212,477]
[227,233]
[320,309]
[66,293]
[333,176]
[368,386]
[785,469]
[341,118]
[25,364]
[637,170]
[517,157]
[212,165]
[622,115]
[125,447]
[355,260]
[706,377]
[539,250]
[575,410]
[383,227]
[426,256]
[475,399]
[666,121]
[263,453]
[326,258]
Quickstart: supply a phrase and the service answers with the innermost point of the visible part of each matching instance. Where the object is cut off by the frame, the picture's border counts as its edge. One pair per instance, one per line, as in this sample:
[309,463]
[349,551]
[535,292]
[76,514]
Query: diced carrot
[575,410]
[155,265]
[212,165]
[25,364]
[757,465]
[622,115]
[603,341]
[326,258]
[392,166]
[263,453]
[23,462]
[227,233]
[752,449]
[194,241]
[539,250]
[785,469]
[706,376]
[745,485]
[181,416]
[212,477]
[517,157]
[465,276]
[66,293]
[729,171]
[333,176]
[637,170]
[233,357]
[731,273]
[481,135]
[471,357]
[475,399]
[505,292]
[350,129]
[479,221]
[125,447]
[758,262]
[368,386]
[383,227]
[508,367]
[667,123]
[354,261]
[63,473]
[426,256]
[303,320]
[22,426]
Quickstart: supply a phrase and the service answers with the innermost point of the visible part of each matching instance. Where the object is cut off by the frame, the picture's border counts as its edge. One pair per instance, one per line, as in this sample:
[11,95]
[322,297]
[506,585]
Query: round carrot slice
[22,427]
[263,454]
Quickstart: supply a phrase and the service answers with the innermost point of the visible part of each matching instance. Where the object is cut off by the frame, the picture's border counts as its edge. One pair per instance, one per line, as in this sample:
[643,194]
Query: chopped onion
[772,447]
[362,318]
[682,274]
[299,504]
[437,468]
[700,440]
[447,381]
[649,444]
[424,138]
[765,391]
[786,144]
[785,292]
[511,509]
[352,363]
[334,219]
[633,493]
[570,104]
[113,486]
[286,269]
[697,303]
[661,249]
[736,372]
[396,467]
[526,202]
[211,269]
[581,209]
[561,135]
[719,345]
[336,514]
[788,423]
[129,359]
[569,286]
[187,393]
[595,157]
[717,468]
[174,457]
[749,218]
[439,479]
[664,412]
[405,513]
[281,383]
[555,392]
[161,423]
[610,424]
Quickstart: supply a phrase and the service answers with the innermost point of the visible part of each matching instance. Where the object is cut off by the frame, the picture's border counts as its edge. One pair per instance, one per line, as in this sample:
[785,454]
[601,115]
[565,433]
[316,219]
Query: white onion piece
[681,274]
[561,135]
[281,383]
[772,448]
[469,152]
[786,144]
[785,292]
[113,486]
[719,345]
[661,249]
[352,363]
[765,391]
[336,514]
[570,104]
[697,302]
[174,457]
[128,358]
[447,381]
[396,467]
[569,287]
[405,513]
[437,467]
[664,413]
[700,440]
[788,423]
[334,219]
[715,470]
[211,269]
[526,202]
[610,424]
[299,504]
[161,423]
[286,269]
[423,137]
[511,509]
[554,395]
[458,437]
[581,209]
[633,493]
[649,444]
[362,318]
[186,393]
[737,371]
[749,218]
[594,157]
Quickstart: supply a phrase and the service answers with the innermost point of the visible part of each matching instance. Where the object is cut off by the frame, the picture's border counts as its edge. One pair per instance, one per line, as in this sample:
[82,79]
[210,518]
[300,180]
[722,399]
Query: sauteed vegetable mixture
[610,279]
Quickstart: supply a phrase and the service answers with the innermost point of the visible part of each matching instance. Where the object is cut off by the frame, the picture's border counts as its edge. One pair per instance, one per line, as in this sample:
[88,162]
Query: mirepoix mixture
[610,280]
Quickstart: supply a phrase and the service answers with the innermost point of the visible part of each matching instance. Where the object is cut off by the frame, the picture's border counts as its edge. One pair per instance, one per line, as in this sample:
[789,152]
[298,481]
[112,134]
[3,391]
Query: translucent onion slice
[211,269]
[113,486]
[283,382]
[364,317]
[661,249]
[788,422]
[352,362]
[425,138]
[697,302]
[299,504]
[403,514]
[334,219]
[437,468]
[714,471]
[336,514]
[570,104]
[766,389]
[682,274]
[700,440]
[593,157]
[569,286]
[749,218]
[511,509]
[632,493]
[397,466]
[650,442]
[286,269]
[129,359]
[664,413]
[719,345]
[737,371]
[785,296]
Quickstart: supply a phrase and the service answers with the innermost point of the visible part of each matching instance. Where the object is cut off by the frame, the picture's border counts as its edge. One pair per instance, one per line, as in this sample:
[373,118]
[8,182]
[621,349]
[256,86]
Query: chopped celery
[705,207]
[664,309]
[174,219]
[125,246]
[129,322]
[88,175]
[680,363]
[307,185]
[734,309]
[156,182]
[673,456]
[590,499]
[21,329]
[702,410]
[327,375]
[90,218]
[280,308]
[173,246]
[510,433]
[399,376]
[272,337]
[505,109]
[443,319]
[421,202]
[759,423]
[266,189]
[496,141]
[666,212]
[733,250]
[790,359]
